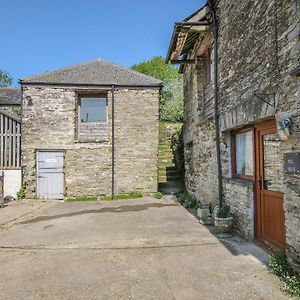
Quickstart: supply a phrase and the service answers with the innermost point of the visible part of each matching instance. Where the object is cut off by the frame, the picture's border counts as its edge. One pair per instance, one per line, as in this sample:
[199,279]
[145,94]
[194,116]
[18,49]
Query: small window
[207,67]
[242,154]
[93,109]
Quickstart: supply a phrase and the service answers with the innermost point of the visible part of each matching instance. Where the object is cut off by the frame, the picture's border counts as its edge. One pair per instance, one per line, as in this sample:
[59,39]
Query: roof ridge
[99,69]
[60,69]
[129,70]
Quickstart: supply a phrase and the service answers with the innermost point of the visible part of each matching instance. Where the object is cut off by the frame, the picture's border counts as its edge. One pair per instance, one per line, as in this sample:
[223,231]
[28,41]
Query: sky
[44,35]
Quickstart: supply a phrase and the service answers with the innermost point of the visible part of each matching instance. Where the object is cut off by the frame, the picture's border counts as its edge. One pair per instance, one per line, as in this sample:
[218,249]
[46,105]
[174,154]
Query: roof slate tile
[97,72]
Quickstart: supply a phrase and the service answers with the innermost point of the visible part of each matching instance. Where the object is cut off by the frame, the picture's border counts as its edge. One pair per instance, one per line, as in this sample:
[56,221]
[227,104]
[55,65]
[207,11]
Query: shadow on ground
[237,245]
[118,209]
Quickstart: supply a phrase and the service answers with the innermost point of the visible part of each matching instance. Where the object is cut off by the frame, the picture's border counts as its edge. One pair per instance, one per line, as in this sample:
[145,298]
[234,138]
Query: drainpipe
[21,127]
[113,141]
[216,104]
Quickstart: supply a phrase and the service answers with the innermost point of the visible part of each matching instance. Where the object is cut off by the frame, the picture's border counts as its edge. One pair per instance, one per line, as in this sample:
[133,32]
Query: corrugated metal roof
[97,72]
[10,96]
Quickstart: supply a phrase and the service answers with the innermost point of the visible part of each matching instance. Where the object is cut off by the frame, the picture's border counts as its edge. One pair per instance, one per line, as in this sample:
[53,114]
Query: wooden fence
[10,142]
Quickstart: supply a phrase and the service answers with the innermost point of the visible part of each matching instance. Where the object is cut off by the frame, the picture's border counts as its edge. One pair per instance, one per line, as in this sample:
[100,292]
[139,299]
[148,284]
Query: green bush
[172,111]
[186,200]
[158,195]
[198,205]
[21,193]
[279,264]
[280,267]
[224,212]
[171,95]
[176,140]
[178,149]
[17,110]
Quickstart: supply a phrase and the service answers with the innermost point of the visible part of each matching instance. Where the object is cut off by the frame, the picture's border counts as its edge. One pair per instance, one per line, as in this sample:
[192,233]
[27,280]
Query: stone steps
[169,181]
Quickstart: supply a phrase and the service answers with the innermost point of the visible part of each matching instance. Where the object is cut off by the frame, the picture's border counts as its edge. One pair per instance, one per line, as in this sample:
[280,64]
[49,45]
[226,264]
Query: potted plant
[204,214]
[224,220]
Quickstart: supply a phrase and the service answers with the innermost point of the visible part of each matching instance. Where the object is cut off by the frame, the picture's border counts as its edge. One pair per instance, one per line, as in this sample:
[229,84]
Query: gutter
[216,104]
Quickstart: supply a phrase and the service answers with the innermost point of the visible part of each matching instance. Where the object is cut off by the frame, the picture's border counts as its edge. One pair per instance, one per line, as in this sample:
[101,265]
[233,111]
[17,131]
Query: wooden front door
[270,221]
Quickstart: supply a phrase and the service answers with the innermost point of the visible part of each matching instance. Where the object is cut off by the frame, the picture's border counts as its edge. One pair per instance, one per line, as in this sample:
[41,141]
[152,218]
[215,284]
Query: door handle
[260,182]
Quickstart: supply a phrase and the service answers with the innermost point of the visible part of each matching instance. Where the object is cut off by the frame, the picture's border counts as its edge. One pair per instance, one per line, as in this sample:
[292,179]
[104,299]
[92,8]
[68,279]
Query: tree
[5,79]
[171,99]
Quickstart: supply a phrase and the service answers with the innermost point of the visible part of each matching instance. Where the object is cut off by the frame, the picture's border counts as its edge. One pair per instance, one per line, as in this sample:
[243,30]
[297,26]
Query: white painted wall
[12,182]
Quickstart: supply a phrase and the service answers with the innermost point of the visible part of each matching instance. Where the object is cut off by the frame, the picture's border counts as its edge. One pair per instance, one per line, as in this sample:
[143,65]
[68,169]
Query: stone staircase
[169,180]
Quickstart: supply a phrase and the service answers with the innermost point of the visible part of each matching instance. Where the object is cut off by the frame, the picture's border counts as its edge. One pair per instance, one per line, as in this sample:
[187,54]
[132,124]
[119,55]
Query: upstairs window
[93,109]
[207,68]
[242,154]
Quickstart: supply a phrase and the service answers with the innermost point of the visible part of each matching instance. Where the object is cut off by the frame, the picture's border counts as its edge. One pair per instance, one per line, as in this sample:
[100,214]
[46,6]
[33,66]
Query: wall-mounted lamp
[283,126]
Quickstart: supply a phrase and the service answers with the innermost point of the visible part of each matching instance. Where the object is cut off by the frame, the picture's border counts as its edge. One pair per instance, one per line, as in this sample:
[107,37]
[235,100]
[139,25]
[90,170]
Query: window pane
[244,153]
[93,110]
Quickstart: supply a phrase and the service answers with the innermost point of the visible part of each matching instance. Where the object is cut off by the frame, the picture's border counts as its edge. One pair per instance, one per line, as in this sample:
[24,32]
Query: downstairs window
[242,153]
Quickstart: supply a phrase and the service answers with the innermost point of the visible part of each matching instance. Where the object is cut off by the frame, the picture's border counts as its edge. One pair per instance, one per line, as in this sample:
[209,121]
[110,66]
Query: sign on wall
[292,163]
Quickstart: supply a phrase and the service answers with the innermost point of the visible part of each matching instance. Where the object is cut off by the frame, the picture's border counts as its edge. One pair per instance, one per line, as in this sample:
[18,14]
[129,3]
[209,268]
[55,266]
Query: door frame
[36,169]
[266,127]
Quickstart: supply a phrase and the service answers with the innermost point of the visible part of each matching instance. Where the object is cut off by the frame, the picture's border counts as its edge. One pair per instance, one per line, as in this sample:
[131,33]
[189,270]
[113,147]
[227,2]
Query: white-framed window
[242,148]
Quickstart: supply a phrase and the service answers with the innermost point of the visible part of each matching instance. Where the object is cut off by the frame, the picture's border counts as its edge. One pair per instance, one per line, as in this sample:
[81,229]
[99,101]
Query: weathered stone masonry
[50,122]
[258,47]
[199,134]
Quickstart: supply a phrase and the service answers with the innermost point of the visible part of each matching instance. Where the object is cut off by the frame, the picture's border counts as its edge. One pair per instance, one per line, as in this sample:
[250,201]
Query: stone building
[240,61]
[10,101]
[89,129]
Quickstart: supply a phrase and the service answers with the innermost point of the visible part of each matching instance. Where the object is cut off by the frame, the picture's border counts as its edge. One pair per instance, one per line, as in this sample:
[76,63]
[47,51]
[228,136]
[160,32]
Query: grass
[106,198]
[122,196]
[82,198]
[280,267]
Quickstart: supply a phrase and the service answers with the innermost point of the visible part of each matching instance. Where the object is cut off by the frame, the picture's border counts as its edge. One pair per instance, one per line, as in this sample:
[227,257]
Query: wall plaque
[292,162]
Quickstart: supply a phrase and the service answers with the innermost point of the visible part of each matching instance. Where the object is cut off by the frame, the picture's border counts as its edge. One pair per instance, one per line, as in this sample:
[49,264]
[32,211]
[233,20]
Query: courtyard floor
[127,249]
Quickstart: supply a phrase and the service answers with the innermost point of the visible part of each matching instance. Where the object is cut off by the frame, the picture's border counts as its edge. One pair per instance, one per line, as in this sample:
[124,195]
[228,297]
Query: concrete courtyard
[127,249]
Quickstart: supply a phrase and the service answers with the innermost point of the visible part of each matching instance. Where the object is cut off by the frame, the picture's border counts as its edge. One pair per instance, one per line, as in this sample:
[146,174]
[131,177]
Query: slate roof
[95,72]
[10,96]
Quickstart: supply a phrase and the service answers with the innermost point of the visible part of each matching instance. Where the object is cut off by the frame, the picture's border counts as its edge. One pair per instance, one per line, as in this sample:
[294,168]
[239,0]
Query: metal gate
[50,174]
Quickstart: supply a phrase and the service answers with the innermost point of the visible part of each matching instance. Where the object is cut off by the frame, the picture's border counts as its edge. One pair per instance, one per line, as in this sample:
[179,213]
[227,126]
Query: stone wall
[50,123]
[199,132]
[136,130]
[259,45]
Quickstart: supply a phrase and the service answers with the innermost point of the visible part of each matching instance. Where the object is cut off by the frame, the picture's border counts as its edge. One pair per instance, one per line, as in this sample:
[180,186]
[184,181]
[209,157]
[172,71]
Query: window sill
[239,181]
[91,141]
[93,123]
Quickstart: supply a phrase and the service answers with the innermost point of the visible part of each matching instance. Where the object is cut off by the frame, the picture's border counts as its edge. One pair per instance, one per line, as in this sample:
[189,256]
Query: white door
[50,174]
